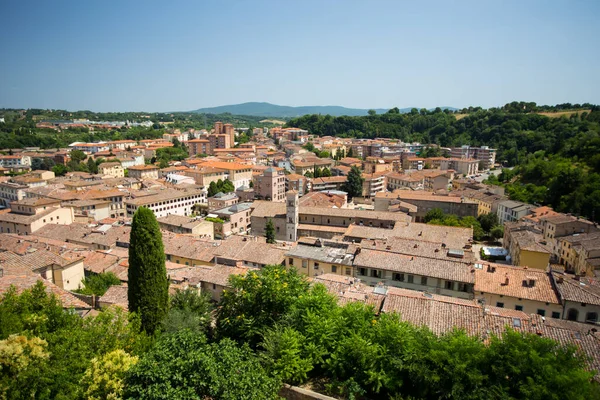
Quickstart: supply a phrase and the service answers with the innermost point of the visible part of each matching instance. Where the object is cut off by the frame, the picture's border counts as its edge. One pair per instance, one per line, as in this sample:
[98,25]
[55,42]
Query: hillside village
[216,208]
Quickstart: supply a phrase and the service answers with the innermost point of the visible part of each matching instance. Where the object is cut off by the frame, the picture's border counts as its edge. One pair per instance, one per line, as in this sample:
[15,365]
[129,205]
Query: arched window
[572,314]
[591,317]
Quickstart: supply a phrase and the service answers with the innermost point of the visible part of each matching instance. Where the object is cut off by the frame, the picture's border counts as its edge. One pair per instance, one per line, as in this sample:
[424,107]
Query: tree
[325,172]
[251,184]
[98,284]
[189,310]
[92,166]
[77,156]
[227,186]
[497,232]
[148,285]
[354,185]
[59,170]
[184,366]
[270,231]
[104,378]
[350,153]
[434,214]
[212,189]
[488,221]
[372,112]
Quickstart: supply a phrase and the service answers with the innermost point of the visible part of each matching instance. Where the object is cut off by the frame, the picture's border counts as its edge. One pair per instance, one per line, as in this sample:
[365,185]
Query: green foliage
[216,220]
[71,342]
[434,214]
[270,231]
[354,185]
[437,217]
[220,186]
[104,378]
[257,301]
[148,285]
[497,232]
[59,170]
[98,284]
[283,350]
[189,310]
[184,366]
[488,221]
[309,146]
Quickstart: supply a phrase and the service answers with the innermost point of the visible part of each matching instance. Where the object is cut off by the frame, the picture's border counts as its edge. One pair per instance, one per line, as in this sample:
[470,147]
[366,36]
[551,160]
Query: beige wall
[529,306]
[60,216]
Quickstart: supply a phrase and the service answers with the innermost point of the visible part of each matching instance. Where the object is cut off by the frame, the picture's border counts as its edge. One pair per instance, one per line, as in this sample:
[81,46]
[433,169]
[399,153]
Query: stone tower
[291,218]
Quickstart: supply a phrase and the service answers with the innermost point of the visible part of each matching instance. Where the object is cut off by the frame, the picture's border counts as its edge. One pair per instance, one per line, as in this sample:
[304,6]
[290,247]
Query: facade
[143,172]
[178,202]
[86,210]
[187,226]
[236,220]
[296,182]
[580,297]
[10,192]
[467,166]
[373,184]
[198,146]
[114,169]
[15,161]
[511,211]
[29,215]
[270,185]
[526,246]
[426,202]
[222,200]
[485,155]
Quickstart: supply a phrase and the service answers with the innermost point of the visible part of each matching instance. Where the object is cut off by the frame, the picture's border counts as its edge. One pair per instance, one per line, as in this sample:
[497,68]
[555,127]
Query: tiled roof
[414,248]
[217,274]
[250,250]
[441,269]
[487,281]
[582,290]
[116,295]
[348,289]
[326,253]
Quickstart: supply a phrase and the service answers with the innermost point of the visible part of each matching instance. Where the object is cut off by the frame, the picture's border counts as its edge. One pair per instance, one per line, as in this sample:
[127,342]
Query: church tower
[291,218]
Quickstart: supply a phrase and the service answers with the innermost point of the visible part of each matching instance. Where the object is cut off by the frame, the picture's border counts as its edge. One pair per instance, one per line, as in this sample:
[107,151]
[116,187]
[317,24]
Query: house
[222,200]
[89,210]
[235,220]
[270,185]
[510,211]
[518,288]
[526,246]
[313,257]
[425,202]
[143,172]
[186,225]
[174,201]
[580,297]
[29,215]
[113,169]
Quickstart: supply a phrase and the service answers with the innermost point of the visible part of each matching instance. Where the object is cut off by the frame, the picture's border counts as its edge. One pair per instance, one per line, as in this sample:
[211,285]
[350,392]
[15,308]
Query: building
[198,146]
[10,192]
[222,200]
[314,257]
[487,202]
[186,225]
[466,166]
[328,183]
[426,202]
[89,210]
[114,169]
[234,220]
[177,202]
[511,211]
[15,161]
[319,222]
[580,253]
[373,183]
[143,172]
[580,297]
[485,155]
[90,148]
[517,288]
[270,185]
[299,183]
[29,215]
[239,174]
[526,246]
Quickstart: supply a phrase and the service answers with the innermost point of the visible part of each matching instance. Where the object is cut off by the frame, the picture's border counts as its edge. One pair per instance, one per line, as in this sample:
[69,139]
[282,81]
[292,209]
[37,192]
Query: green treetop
[353,185]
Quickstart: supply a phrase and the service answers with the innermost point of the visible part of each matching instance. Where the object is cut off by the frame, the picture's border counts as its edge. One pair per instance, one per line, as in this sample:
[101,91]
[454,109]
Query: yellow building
[526,246]
[313,257]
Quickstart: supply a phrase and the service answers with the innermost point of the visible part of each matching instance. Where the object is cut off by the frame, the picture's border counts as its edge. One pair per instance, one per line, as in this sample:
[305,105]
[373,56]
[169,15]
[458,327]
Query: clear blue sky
[183,55]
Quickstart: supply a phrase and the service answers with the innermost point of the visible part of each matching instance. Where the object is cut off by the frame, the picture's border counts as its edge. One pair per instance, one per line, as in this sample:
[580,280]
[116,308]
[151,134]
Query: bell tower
[291,218]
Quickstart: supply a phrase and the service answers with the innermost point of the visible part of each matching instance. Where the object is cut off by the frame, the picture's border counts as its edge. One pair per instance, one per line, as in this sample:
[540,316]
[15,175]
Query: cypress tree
[148,290]
[353,185]
[270,231]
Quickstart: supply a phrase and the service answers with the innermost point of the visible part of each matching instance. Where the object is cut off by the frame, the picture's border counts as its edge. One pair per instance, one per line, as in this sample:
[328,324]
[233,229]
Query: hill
[274,110]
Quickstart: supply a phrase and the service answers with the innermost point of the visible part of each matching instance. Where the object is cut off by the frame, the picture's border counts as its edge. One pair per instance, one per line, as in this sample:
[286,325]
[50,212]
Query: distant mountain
[274,110]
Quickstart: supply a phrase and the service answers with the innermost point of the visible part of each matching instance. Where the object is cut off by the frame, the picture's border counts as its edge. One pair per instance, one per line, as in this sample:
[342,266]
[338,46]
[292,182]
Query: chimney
[560,279]
[506,280]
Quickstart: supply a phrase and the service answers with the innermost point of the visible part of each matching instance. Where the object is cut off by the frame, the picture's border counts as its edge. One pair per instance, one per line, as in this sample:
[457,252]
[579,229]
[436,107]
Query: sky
[184,55]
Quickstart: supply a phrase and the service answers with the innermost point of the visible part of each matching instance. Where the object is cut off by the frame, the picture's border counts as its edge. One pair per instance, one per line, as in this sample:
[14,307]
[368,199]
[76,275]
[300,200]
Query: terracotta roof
[24,282]
[348,289]
[487,281]
[116,295]
[388,261]
[581,290]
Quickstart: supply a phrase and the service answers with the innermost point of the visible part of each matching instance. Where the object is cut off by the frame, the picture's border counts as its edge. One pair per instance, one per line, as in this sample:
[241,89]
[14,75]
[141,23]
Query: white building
[10,192]
[15,161]
[169,202]
[90,148]
[510,211]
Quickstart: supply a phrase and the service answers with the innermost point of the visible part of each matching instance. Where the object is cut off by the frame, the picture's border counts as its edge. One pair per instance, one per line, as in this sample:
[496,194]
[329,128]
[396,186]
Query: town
[361,216]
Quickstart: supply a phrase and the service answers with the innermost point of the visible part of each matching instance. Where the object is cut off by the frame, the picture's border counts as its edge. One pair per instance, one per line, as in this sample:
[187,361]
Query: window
[348,271]
[423,280]
[449,285]
[411,279]
[375,273]
[291,261]
[501,305]
[541,312]
[519,308]
[572,314]
[463,287]
[304,263]
[316,265]
[555,314]
[591,317]
[362,271]
[334,269]
[214,287]
[398,277]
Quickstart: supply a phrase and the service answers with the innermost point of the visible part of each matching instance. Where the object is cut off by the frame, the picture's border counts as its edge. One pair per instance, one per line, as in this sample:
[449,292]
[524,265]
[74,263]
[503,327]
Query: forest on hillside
[556,158]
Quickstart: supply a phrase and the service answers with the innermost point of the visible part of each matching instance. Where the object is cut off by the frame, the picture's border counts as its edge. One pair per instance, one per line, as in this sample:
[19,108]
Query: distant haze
[274,110]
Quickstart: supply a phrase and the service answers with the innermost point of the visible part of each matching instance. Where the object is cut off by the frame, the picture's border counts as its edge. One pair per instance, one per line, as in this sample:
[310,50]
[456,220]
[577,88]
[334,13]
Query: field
[272,121]
[563,113]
